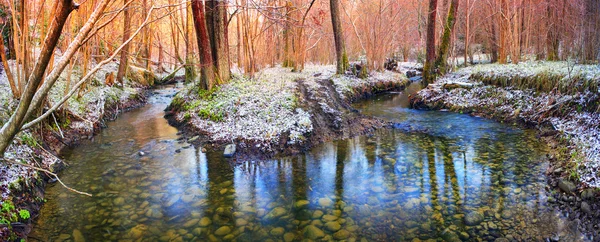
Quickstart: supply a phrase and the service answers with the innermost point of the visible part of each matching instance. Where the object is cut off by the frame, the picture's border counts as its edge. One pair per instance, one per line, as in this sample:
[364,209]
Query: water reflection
[457,178]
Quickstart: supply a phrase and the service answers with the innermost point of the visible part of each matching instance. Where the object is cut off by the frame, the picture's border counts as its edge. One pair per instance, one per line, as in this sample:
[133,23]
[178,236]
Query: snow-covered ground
[259,109]
[90,109]
[565,69]
[264,108]
[575,115]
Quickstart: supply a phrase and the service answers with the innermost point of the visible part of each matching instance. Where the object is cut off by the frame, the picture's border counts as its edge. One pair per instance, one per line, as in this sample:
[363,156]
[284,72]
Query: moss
[187,116]
[208,95]
[346,63]
[190,71]
[28,139]
[211,113]
[191,106]
[177,102]
[363,73]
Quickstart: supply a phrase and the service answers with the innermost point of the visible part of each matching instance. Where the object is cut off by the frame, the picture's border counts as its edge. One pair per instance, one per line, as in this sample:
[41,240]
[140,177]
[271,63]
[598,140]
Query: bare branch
[93,71]
[44,171]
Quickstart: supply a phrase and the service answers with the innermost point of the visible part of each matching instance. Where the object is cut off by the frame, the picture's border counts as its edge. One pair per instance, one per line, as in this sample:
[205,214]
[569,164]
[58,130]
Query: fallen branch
[549,108]
[453,85]
[167,78]
[47,172]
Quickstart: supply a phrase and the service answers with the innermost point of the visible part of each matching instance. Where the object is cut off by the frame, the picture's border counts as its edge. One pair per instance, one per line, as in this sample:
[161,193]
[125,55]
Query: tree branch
[91,73]
[47,172]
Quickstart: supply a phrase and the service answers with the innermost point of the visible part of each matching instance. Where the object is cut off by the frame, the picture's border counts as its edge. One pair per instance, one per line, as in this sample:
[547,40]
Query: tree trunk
[591,42]
[340,48]
[428,69]
[552,36]
[125,53]
[65,59]
[24,23]
[146,47]
[161,56]
[63,9]
[216,18]
[207,73]
[467,28]
[442,58]
[503,28]
[288,36]
[240,56]
[11,80]
[190,71]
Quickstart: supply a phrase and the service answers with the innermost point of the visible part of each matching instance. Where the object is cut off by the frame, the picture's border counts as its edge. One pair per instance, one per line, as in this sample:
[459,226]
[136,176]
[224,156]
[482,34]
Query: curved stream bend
[452,177]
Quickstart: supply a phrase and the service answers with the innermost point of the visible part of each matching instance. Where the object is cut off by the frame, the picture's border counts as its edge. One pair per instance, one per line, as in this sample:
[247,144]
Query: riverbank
[279,112]
[559,99]
[79,119]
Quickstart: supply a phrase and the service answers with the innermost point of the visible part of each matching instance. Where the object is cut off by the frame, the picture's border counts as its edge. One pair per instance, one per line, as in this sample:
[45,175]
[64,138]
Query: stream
[437,175]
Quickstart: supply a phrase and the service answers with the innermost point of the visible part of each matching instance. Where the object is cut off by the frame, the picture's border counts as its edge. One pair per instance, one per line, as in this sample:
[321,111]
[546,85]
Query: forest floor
[77,120]
[559,99]
[280,112]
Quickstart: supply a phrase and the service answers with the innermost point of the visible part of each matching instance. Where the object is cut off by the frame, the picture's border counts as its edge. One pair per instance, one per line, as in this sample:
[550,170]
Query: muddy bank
[79,119]
[279,112]
[565,117]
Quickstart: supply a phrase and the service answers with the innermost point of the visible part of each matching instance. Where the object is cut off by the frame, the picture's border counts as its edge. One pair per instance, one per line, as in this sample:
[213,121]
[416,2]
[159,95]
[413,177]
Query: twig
[552,106]
[47,172]
[58,126]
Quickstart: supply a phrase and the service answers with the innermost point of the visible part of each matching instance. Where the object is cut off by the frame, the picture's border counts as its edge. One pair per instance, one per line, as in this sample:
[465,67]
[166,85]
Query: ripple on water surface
[457,178]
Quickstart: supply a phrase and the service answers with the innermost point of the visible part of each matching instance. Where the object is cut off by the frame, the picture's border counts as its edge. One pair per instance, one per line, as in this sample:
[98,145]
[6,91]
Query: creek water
[437,176]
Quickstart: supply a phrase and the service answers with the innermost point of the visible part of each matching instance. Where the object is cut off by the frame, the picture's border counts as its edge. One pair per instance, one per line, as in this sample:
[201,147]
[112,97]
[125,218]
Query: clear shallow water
[439,176]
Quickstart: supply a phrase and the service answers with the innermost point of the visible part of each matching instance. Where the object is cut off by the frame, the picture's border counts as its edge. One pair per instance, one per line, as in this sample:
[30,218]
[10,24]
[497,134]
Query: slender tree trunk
[125,52]
[441,62]
[24,42]
[161,55]
[338,36]
[11,80]
[490,24]
[428,69]
[207,73]
[12,127]
[301,49]
[504,27]
[85,51]
[64,60]
[288,36]
[190,71]
[591,42]
[174,33]
[467,28]
[240,56]
[552,34]
[146,58]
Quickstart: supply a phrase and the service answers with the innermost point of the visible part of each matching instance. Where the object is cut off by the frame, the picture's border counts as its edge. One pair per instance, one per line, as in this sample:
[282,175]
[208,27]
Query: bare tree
[216,19]
[123,61]
[442,58]
[207,72]
[11,80]
[429,68]
[340,48]
[62,10]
